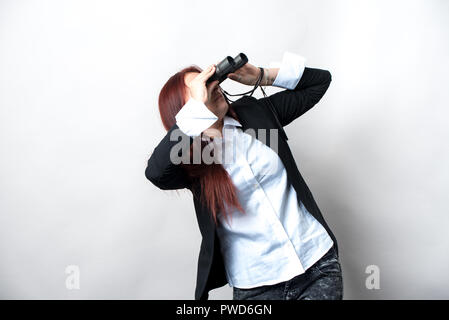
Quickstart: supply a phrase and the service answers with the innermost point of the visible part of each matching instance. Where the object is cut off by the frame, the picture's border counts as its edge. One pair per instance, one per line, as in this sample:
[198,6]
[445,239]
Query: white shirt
[276,238]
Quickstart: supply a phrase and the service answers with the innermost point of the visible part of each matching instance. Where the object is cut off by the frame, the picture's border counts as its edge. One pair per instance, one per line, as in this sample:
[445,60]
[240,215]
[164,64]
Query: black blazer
[256,114]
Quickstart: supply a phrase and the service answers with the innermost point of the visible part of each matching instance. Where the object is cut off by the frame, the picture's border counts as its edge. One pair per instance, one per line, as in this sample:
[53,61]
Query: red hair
[218,192]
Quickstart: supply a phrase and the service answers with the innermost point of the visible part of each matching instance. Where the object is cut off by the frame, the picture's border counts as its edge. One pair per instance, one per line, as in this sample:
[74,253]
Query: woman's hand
[197,87]
[248,74]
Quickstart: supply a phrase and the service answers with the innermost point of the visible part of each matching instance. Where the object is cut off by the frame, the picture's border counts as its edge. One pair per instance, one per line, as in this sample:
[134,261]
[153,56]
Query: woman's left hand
[248,74]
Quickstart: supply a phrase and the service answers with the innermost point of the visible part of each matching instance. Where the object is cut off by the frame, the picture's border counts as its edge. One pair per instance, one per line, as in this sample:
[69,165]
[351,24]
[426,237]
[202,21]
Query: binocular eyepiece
[227,66]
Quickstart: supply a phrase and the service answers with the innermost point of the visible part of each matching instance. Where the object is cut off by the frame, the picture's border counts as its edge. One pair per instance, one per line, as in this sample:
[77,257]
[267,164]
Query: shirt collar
[227,120]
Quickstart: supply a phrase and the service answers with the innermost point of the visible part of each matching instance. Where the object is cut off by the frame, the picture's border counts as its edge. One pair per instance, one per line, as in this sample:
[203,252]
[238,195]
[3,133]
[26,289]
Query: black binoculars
[227,66]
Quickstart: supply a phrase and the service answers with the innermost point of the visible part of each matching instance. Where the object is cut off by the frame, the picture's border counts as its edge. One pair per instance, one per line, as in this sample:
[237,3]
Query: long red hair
[218,192]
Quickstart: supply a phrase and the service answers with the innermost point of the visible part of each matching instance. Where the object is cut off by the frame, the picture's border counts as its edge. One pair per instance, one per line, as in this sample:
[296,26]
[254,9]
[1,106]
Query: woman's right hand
[197,87]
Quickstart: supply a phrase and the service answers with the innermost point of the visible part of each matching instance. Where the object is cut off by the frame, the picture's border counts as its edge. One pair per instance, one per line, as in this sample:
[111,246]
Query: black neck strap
[270,104]
[250,92]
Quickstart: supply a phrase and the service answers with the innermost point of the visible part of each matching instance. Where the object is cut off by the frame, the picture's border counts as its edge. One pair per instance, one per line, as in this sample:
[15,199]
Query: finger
[234,76]
[206,73]
[213,85]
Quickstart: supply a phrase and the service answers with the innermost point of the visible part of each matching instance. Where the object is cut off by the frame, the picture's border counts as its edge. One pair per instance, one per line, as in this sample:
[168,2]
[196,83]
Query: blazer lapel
[251,117]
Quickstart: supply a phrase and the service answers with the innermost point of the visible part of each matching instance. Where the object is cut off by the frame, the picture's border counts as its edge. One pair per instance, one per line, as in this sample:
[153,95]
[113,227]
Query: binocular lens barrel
[227,66]
[240,60]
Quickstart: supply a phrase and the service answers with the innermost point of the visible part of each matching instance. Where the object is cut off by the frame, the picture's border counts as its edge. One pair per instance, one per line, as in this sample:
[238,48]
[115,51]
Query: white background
[79,83]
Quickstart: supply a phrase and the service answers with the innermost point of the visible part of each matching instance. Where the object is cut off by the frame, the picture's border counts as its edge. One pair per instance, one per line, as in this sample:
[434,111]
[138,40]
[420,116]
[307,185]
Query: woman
[262,231]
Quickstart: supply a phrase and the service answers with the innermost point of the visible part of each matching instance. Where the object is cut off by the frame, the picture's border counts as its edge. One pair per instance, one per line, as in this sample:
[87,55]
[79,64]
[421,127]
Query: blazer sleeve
[290,104]
[161,171]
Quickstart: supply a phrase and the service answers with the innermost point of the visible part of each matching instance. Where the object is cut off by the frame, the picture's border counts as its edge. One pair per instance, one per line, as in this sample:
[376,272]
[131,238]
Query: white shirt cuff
[290,71]
[194,117]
